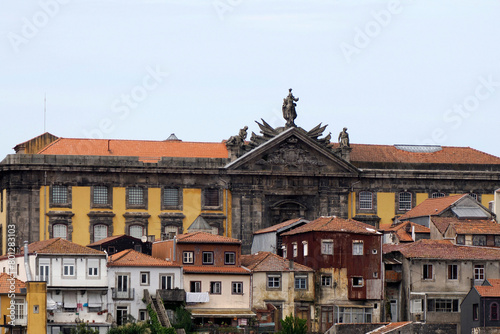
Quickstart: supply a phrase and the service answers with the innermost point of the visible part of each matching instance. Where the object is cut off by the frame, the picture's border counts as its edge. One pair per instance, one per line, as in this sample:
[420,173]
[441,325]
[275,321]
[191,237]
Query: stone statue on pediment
[288,108]
[344,138]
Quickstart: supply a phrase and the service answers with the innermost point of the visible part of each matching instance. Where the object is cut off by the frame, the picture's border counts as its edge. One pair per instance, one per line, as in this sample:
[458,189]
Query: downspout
[174,257]
[45,207]
[26,262]
[226,214]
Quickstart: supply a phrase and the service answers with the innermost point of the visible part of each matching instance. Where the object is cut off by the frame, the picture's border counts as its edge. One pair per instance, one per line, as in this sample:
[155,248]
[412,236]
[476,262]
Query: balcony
[392,276]
[124,295]
[173,295]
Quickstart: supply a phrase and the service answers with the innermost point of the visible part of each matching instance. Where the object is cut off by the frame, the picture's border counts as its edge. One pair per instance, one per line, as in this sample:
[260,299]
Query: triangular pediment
[290,152]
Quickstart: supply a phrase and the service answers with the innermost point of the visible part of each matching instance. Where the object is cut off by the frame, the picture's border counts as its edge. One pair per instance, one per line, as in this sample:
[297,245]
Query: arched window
[100,232]
[494,311]
[437,195]
[60,231]
[136,231]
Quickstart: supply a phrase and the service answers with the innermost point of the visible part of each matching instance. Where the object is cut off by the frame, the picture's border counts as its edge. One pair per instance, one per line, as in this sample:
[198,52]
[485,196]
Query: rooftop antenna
[44,112]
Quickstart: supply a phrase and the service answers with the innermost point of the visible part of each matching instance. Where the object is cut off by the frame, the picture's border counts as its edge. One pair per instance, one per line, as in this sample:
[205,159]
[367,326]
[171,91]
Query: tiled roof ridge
[119,255]
[48,242]
[265,257]
[140,140]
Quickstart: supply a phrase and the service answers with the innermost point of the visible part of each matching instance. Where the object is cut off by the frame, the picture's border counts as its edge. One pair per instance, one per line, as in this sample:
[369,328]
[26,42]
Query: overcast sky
[402,72]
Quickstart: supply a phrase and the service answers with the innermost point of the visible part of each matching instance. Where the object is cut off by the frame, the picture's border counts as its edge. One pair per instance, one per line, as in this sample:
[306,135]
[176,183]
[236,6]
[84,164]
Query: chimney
[290,264]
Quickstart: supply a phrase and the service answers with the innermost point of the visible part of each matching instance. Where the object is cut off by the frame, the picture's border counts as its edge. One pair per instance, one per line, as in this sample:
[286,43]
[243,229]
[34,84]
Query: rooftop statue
[289,113]
[344,138]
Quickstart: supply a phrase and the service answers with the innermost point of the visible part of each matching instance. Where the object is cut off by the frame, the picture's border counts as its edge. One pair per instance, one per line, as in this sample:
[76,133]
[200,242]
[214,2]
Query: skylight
[419,148]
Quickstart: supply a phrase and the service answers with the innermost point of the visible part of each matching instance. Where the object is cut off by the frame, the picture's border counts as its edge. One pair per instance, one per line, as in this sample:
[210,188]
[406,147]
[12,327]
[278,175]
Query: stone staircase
[157,305]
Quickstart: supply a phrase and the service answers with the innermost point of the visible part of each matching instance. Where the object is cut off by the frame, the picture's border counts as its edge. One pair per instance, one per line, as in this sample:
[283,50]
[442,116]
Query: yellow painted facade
[37,307]
[3,218]
[81,206]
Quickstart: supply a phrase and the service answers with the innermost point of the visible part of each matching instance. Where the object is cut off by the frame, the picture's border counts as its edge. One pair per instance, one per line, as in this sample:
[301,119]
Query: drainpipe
[175,253]
[45,207]
[26,262]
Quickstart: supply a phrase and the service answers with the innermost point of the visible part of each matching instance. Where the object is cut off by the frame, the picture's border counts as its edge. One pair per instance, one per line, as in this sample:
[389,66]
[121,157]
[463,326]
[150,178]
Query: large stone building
[87,189]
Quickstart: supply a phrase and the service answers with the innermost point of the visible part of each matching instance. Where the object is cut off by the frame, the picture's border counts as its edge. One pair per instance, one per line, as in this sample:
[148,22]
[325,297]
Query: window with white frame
[19,309]
[357,247]
[300,282]
[283,249]
[195,286]
[100,232]
[208,257]
[170,197]
[122,283]
[60,231]
[166,282]
[44,270]
[295,249]
[145,278]
[229,257]
[365,200]
[479,272]
[357,281]
[427,271]
[136,231]
[93,267]
[187,257]
[405,201]
[237,288]
[327,247]
[143,315]
[437,195]
[273,281]
[326,280]
[452,271]
[305,248]
[215,287]
[442,305]
[68,267]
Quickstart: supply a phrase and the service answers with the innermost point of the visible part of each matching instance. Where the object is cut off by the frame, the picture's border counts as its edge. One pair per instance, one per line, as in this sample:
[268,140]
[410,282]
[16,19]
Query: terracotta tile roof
[447,155]
[403,230]
[334,224]
[216,270]
[391,327]
[267,261]
[276,227]
[466,226]
[132,258]
[149,150]
[204,238]
[60,246]
[489,291]
[5,282]
[443,250]
[432,207]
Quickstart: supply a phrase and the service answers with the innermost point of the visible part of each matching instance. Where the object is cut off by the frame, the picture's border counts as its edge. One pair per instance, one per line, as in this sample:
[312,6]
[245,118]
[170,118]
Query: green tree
[131,328]
[293,325]
[84,329]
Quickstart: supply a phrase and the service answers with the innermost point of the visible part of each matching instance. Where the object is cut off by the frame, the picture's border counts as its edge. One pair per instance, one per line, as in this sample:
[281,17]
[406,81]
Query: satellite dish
[144,238]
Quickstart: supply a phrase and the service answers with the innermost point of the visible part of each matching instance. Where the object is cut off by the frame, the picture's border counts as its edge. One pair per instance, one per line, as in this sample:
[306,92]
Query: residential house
[437,275]
[130,273]
[278,289]
[472,232]
[270,240]
[405,232]
[77,282]
[464,206]
[480,309]
[13,314]
[118,243]
[347,257]
[218,288]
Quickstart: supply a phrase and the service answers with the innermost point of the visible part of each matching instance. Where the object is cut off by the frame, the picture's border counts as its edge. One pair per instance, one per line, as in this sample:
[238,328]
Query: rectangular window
[273,281]
[208,257]
[215,288]
[326,280]
[143,315]
[43,272]
[68,267]
[211,197]
[357,282]
[295,249]
[452,272]
[237,288]
[300,282]
[100,195]
[327,247]
[479,240]
[170,197]
[479,272]
[20,312]
[365,200]
[460,239]
[497,240]
[187,257]
[475,311]
[427,271]
[229,258]
[121,315]
[195,286]
[145,278]
[59,194]
[437,195]
[442,305]
[404,201]
[135,196]
[357,247]
[60,231]
[93,267]
[166,282]
[122,283]
[305,248]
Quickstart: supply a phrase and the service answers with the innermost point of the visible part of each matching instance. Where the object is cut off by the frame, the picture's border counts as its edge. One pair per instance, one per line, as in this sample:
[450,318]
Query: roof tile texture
[5,280]
[334,224]
[432,206]
[466,226]
[205,238]
[267,261]
[489,291]
[215,270]
[132,258]
[60,246]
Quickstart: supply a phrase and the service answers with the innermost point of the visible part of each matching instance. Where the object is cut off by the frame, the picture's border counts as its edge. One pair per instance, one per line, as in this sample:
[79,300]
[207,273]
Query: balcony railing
[129,294]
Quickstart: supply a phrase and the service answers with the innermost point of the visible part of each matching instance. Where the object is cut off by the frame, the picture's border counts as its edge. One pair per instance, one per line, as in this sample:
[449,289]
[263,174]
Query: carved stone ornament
[290,155]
